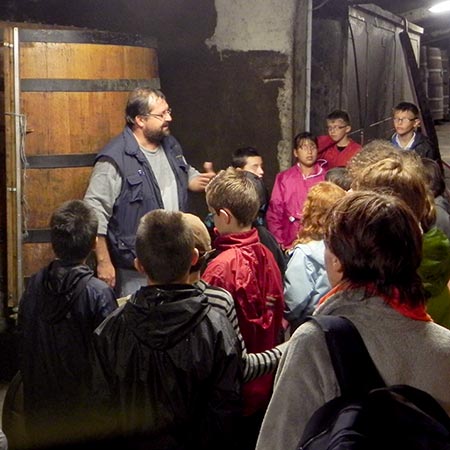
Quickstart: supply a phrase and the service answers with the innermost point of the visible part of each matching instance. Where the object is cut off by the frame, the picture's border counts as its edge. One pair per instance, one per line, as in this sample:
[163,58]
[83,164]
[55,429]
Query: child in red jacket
[248,270]
[337,147]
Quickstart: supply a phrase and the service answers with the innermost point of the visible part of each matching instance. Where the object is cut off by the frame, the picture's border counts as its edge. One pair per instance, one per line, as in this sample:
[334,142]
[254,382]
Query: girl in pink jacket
[291,188]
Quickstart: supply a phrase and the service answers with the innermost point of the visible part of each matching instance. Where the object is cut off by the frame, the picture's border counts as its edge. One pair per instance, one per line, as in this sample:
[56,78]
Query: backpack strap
[354,368]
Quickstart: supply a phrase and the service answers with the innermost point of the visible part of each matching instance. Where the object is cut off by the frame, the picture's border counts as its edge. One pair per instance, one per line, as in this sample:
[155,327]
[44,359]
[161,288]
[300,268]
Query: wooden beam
[13,290]
[417,14]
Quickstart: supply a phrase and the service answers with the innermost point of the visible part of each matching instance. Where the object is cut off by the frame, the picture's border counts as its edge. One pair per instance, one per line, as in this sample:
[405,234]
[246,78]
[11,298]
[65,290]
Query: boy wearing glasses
[407,137]
[337,147]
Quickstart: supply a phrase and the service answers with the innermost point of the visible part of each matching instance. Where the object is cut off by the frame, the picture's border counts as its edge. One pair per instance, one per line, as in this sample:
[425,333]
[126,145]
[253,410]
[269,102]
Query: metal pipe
[308,66]
[18,139]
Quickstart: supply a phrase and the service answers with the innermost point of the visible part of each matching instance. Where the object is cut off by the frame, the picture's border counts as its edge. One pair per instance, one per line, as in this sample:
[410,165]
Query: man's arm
[105,268]
[104,188]
[199,181]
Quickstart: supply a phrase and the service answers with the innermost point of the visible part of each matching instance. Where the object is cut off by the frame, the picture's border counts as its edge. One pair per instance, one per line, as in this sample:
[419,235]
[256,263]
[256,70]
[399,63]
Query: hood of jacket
[62,283]
[225,241]
[161,316]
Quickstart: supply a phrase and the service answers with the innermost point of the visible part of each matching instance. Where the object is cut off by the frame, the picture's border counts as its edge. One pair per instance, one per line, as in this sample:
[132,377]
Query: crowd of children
[214,351]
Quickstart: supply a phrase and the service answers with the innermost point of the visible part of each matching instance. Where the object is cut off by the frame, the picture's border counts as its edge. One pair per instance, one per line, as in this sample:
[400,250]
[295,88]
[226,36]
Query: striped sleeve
[255,364]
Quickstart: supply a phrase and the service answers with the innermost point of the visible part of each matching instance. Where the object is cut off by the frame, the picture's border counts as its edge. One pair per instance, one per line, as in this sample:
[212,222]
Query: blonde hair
[320,199]
[401,176]
[372,152]
[233,190]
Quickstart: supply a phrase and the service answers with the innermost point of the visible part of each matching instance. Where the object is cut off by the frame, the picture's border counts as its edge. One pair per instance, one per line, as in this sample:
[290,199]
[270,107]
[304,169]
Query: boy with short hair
[250,161]
[58,312]
[339,175]
[248,270]
[337,147]
[407,136]
[167,365]
[254,364]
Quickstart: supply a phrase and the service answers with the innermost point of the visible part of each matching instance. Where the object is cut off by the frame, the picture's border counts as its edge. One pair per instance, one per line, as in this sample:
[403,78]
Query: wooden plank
[13,293]
[73,122]
[46,189]
[35,257]
[87,61]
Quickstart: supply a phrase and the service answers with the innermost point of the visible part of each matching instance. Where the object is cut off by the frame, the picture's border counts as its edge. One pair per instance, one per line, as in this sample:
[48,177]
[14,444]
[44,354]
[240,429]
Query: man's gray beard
[156,137]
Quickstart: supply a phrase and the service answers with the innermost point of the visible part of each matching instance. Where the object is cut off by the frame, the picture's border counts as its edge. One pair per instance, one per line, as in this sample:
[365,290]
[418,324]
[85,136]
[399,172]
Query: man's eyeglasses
[161,116]
[404,119]
[336,127]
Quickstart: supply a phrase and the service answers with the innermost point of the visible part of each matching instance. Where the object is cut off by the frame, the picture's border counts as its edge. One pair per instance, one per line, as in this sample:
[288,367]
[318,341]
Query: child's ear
[195,257]
[138,266]
[227,215]
[348,128]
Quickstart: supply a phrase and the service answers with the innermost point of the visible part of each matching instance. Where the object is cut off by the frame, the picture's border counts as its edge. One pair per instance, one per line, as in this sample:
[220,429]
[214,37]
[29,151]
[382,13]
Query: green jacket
[435,273]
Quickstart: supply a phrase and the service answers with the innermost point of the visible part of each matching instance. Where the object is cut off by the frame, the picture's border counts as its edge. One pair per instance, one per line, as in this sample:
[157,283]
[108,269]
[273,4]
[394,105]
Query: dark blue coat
[140,192]
[62,305]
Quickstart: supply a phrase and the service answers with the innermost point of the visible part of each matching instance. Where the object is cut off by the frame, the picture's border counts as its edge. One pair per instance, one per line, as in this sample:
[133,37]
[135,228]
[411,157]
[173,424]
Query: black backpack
[368,415]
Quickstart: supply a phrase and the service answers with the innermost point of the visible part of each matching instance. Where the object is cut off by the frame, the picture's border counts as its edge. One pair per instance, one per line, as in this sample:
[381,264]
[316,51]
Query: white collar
[408,145]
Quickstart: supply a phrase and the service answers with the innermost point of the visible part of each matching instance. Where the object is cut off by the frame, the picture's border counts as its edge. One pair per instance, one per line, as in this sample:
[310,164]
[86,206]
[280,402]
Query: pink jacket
[286,202]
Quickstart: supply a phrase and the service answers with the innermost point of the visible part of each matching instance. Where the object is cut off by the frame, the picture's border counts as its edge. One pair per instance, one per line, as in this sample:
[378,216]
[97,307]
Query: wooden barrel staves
[445,84]
[435,83]
[73,89]
[423,68]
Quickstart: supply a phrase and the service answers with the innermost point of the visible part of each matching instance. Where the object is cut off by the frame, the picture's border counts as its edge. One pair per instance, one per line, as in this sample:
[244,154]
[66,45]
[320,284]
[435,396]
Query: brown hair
[233,190]
[164,245]
[141,102]
[73,230]
[320,199]
[339,175]
[377,239]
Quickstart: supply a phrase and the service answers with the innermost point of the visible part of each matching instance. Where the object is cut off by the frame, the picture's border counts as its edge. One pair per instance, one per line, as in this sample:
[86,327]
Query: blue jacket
[422,146]
[305,282]
[140,191]
[58,312]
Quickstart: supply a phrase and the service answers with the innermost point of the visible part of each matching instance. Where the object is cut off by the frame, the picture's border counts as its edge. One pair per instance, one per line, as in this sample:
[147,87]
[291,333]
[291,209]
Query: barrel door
[64,94]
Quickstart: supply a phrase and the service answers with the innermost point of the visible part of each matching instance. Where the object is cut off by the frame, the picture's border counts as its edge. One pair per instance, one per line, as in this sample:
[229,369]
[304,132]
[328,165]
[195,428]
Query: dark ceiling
[436,26]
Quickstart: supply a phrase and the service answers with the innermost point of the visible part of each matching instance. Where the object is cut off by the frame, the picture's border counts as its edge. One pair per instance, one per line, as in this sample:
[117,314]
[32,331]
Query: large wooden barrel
[445,84]
[435,83]
[423,68]
[72,87]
